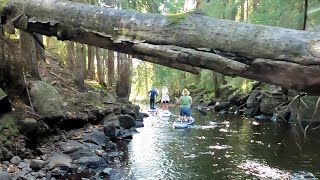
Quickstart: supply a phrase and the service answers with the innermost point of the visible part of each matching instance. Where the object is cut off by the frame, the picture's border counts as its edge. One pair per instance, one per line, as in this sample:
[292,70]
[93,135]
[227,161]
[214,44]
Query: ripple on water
[220,147]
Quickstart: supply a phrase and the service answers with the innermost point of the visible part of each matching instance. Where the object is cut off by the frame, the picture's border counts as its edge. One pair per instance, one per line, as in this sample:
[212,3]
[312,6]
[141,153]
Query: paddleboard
[165,113]
[179,125]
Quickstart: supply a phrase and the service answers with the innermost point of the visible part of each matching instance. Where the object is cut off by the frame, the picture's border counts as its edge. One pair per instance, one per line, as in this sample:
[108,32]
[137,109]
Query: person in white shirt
[165,99]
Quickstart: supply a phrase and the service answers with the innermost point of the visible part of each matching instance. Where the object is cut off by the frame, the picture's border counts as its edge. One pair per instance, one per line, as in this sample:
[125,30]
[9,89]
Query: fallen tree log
[285,57]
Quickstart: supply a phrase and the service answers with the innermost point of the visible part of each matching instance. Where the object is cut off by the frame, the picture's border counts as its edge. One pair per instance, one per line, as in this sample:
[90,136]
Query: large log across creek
[189,42]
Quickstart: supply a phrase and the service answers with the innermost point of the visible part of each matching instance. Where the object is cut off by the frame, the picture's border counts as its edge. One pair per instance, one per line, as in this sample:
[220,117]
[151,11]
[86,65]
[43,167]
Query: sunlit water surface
[219,147]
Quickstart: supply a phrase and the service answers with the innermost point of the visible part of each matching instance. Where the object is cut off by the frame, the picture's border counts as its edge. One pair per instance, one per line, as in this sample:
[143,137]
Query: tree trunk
[99,66]
[28,53]
[71,55]
[124,80]
[79,65]
[105,59]
[91,65]
[110,68]
[41,56]
[180,41]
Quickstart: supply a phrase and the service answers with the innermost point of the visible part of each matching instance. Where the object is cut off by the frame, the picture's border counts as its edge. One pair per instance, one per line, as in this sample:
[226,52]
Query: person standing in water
[153,94]
[185,102]
[165,98]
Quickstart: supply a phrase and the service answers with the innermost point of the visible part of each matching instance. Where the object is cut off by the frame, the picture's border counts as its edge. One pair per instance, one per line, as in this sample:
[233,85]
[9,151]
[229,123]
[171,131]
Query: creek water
[220,147]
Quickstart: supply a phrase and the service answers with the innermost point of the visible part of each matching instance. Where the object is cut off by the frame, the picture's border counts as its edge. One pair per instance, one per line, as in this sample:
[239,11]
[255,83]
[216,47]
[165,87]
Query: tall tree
[110,68]
[79,65]
[28,53]
[99,66]
[124,76]
[91,64]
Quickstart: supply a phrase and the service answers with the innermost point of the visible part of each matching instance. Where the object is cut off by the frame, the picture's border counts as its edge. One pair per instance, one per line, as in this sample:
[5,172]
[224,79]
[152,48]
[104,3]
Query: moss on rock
[8,126]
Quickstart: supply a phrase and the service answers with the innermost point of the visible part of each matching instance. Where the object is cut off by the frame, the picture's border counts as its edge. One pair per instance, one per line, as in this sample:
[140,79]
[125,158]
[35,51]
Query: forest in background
[121,73]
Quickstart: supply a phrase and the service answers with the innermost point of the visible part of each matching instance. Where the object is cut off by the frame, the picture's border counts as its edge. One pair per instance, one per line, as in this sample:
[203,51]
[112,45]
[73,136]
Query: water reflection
[219,147]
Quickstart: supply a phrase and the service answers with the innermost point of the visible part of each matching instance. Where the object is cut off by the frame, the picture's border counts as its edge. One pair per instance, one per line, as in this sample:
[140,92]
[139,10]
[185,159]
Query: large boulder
[127,121]
[28,126]
[46,99]
[271,99]
[254,99]
[96,137]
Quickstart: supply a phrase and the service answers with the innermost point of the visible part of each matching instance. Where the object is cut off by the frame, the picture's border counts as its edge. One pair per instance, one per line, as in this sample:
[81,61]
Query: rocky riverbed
[86,152]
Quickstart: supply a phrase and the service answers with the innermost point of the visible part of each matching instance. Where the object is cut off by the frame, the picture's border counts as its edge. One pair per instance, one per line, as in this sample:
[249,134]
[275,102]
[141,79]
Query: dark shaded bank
[50,129]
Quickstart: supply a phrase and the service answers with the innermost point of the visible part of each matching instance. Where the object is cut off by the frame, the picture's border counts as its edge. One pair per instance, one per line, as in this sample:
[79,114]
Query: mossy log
[285,57]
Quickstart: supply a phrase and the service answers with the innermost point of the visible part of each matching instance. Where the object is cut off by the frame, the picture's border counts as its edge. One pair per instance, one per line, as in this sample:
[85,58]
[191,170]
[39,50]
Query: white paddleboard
[179,125]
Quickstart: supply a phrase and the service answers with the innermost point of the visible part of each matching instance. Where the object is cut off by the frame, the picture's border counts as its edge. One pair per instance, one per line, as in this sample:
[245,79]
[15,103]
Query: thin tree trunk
[79,66]
[71,55]
[28,53]
[99,66]
[41,56]
[110,68]
[105,70]
[91,64]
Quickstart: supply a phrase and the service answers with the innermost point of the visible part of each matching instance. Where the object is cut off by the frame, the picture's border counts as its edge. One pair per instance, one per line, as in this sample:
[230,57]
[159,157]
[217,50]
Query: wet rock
[5,176]
[254,99]
[110,130]
[107,171]
[93,161]
[37,164]
[46,99]
[15,160]
[144,115]
[58,159]
[270,102]
[263,117]
[72,146]
[221,106]
[96,137]
[127,121]
[93,147]
[7,163]
[139,124]
[111,120]
[22,165]
[80,153]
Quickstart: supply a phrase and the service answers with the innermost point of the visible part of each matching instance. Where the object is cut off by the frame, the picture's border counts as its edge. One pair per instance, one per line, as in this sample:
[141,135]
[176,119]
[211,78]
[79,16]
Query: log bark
[285,57]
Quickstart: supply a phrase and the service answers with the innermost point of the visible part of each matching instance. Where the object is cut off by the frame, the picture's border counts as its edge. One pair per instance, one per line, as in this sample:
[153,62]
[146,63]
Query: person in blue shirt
[153,95]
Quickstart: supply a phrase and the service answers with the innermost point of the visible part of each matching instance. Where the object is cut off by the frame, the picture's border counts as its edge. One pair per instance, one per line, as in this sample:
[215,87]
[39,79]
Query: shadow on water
[221,147]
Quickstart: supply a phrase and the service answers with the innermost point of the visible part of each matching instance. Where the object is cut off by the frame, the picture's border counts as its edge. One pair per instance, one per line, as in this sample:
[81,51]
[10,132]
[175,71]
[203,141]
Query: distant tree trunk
[124,76]
[28,53]
[91,65]
[105,70]
[216,85]
[71,55]
[242,11]
[305,14]
[41,56]
[99,66]
[255,4]
[146,72]
[110,68]
[79,65]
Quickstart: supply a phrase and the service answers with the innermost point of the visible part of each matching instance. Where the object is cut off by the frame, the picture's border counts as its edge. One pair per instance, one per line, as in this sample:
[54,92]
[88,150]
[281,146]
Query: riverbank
[55,130]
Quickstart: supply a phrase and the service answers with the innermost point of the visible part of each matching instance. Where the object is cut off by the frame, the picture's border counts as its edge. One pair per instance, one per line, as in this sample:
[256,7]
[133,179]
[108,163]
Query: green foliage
[2,3]
[176,18]
[288,14]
